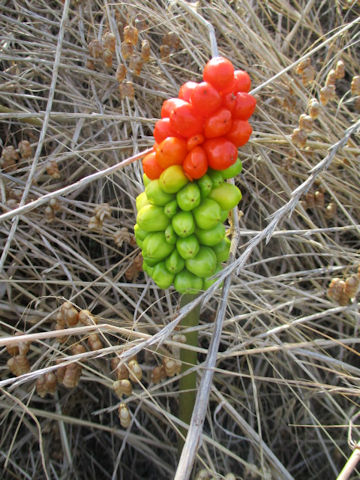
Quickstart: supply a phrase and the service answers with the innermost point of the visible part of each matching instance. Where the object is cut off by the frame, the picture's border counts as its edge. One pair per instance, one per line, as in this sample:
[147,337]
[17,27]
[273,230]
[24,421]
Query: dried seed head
[308,75]
[229,476]
[124,415]
[94,223]
[102,211]
[306,70]
[90,64]
[299,137]
[164,52]
[330,210]
[94,342]
[351,286]
[60,372]
[302,65]
[12,349]
[127,49]
[126,90]
[135,64]
[95,49]
[327,93]
[314,108]
[131,34]
[331,78]
[55,204]
[78,349]
[135,268]
[355,85]
[86,318]
[145,50]
[306,122]
[180,338]
[310,200]
[9,159]
[60,325]
[171,40]
[52,169]
[135,371]
[72,375]
[319,199]
[357,104]
[18,365]
[336,291]
[120,369]
[340,69]
[141,23]
[25,149]
[158,374]
[46,384]
[109,41]
[108,58]
[122,235]
[120,72]
[49,214]
[122,387]
[71,316]
[171,366]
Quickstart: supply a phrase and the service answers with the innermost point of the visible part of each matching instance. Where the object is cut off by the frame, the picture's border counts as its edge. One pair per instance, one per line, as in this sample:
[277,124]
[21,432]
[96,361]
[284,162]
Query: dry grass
[286,382]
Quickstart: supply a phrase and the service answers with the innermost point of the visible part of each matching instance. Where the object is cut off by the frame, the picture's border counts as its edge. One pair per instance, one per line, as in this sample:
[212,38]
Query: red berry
[169,105]
[229,101]
[219,71]
[185,121]
[242,81]
[195,141]
[240,132]
[244,106]
[221,153]
[162,130]
[218,124]
[151,168]
[171,151]
[186,90]
[205,99]
[195,164]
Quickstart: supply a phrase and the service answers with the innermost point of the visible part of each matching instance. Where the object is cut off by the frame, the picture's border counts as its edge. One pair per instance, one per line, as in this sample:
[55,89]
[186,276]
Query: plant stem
[187,384]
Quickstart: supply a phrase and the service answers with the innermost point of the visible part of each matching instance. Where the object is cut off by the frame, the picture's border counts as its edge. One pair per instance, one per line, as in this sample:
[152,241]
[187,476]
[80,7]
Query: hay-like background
[287,379]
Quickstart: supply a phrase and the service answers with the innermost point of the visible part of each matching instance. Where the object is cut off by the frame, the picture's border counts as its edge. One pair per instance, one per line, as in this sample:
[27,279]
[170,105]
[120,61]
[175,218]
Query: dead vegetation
[82,83]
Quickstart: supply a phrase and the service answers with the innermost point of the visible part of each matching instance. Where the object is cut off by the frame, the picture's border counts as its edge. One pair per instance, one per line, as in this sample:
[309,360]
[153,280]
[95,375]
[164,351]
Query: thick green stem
[187,384]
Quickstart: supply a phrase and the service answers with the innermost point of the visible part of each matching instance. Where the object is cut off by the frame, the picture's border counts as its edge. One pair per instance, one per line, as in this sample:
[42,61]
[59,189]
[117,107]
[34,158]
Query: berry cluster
[186,200]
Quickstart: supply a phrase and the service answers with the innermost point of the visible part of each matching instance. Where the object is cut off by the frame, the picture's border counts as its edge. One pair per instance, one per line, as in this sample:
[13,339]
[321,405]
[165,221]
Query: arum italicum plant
[187,198]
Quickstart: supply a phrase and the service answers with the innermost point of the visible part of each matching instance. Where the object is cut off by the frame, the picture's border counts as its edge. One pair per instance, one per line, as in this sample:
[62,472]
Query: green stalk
[187,384]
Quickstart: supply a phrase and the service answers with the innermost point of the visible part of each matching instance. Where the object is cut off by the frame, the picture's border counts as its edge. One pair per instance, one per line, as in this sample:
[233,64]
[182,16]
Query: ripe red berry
[162,130]
[169,105]
[221,153]
[242,81]
[185,121]
[218,124]
[205,99]
[151,168]
[171,151]
[219,71]
[186,90]
[195,164]
[240,132]
[244,106]
[194,141]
